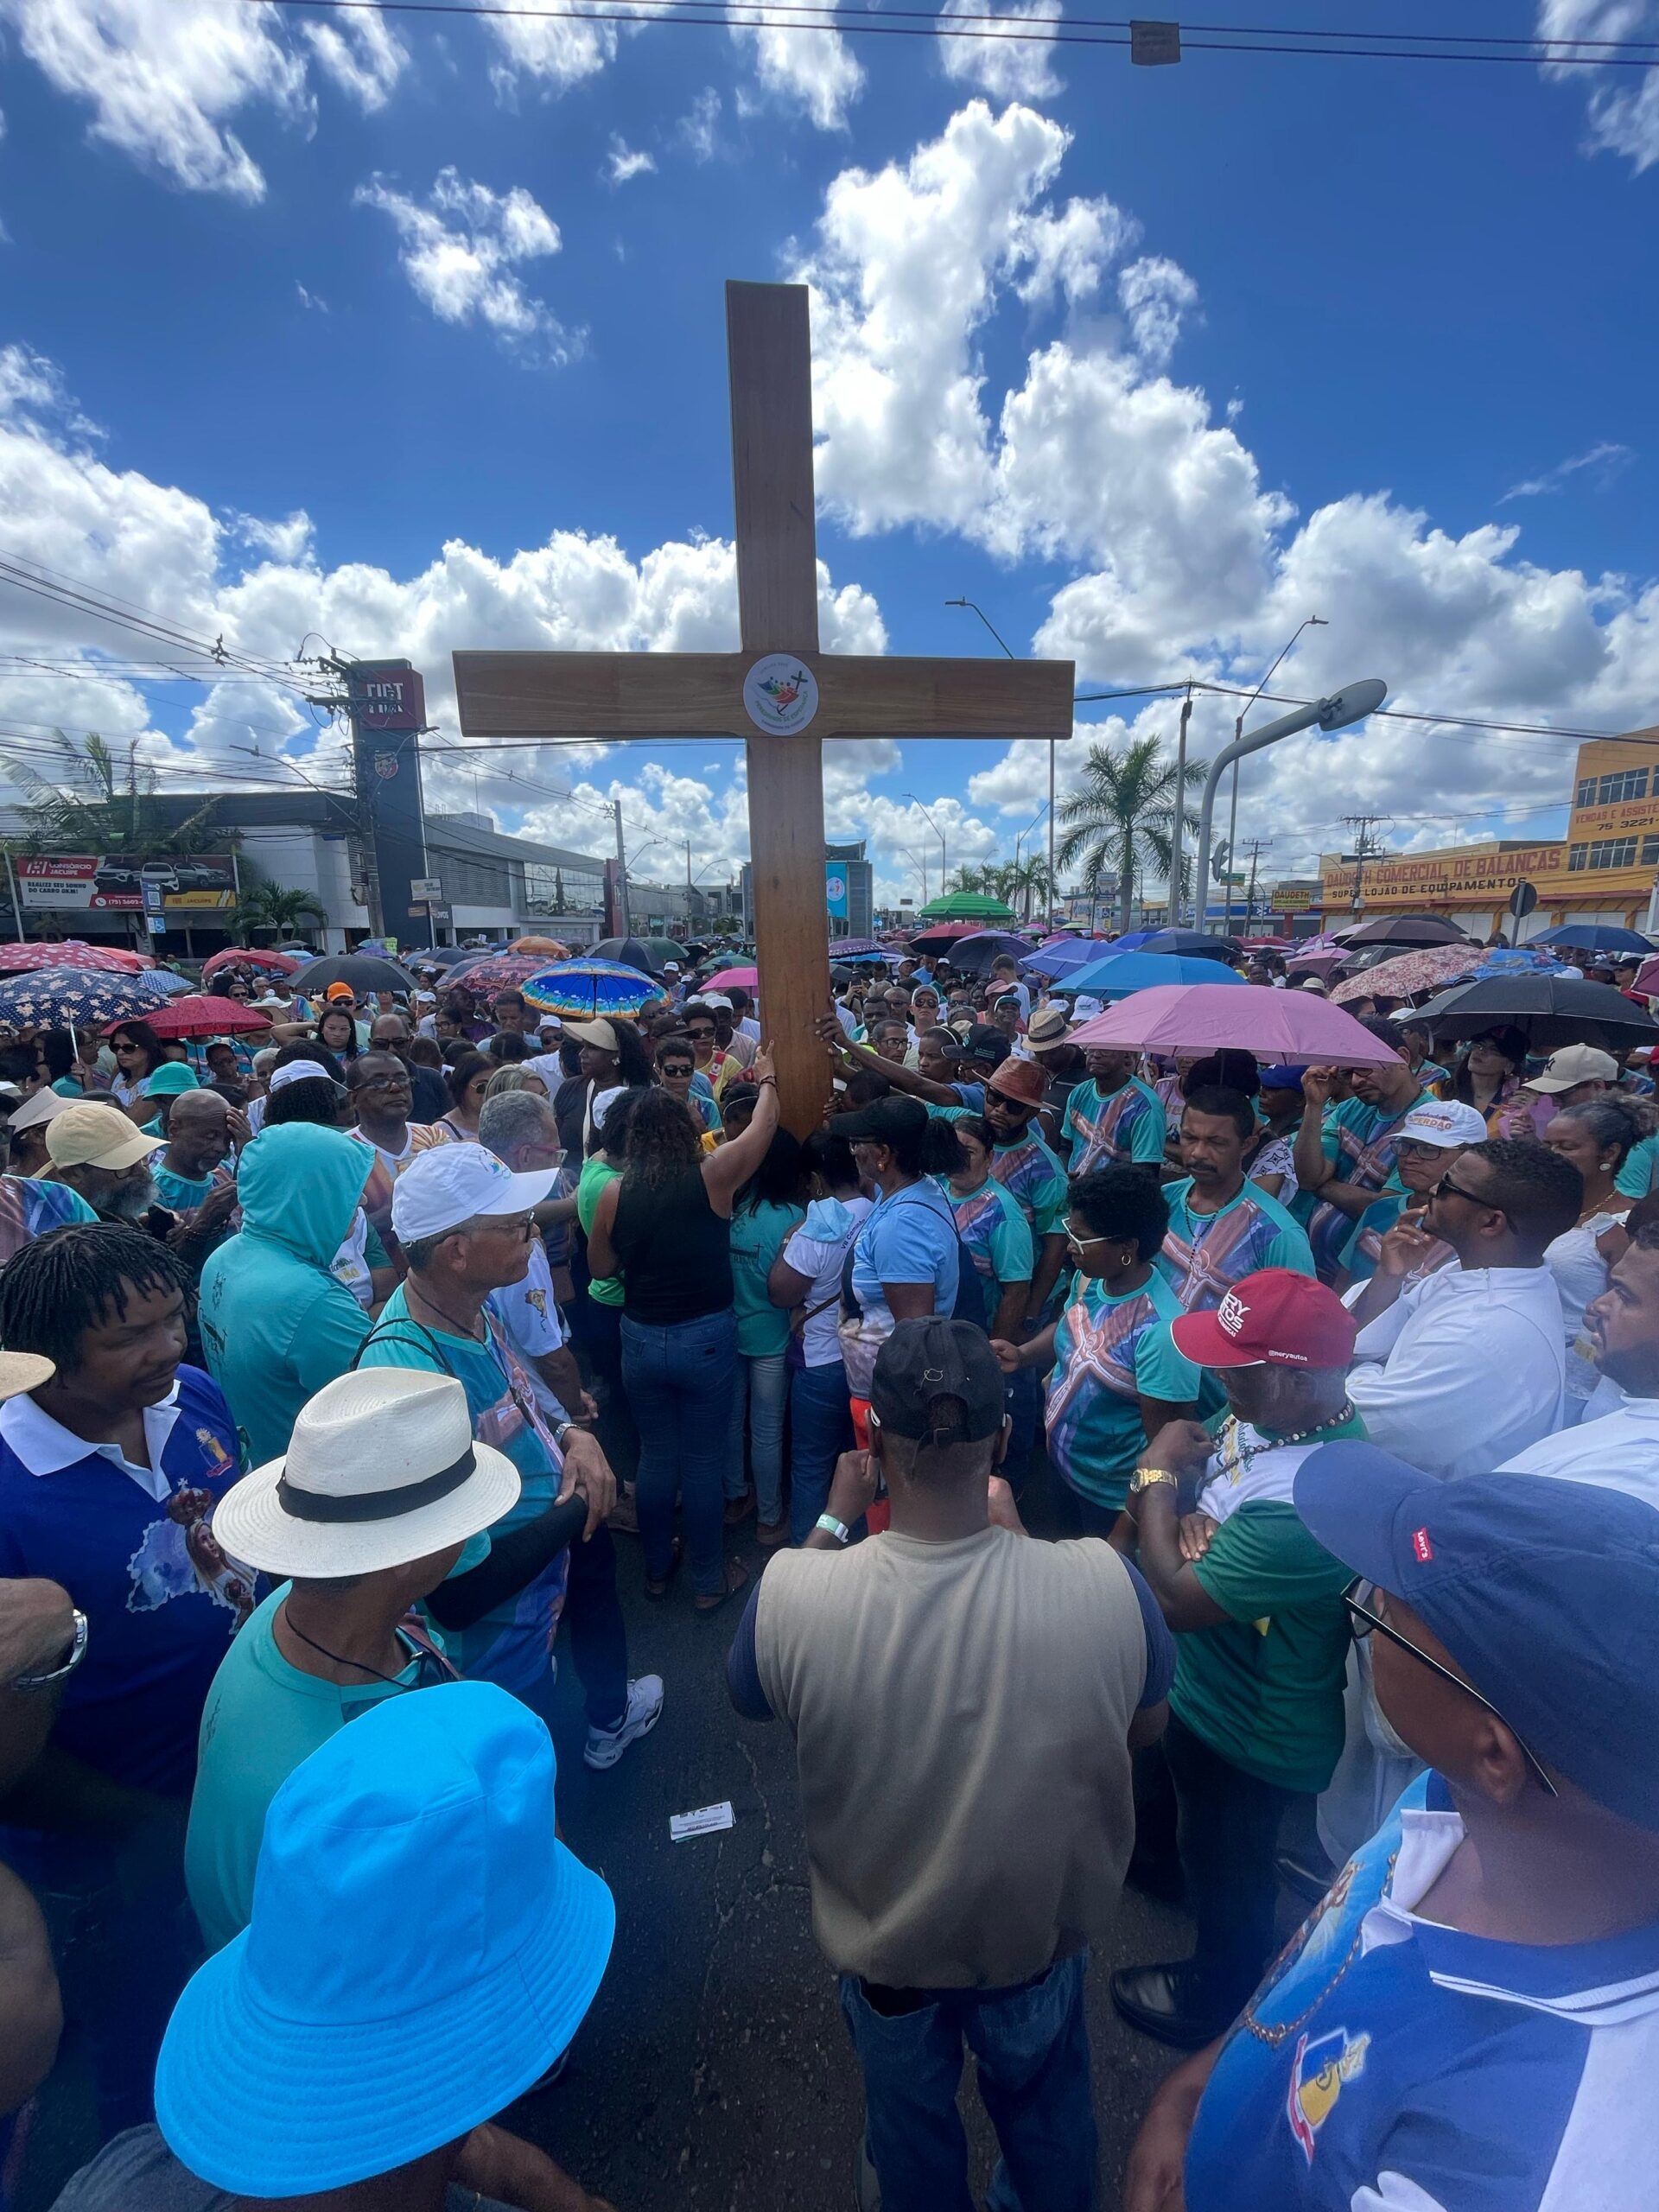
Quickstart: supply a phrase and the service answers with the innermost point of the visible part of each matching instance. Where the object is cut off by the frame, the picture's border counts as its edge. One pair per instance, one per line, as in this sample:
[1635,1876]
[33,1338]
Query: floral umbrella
[98,959]
[77,998]
[582,990]
[1426,969]
[500,971]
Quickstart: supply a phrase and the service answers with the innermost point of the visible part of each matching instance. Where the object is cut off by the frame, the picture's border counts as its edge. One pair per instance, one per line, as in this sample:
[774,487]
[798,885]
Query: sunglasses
[1364,1623]
[1079,1240]
[1446,1188]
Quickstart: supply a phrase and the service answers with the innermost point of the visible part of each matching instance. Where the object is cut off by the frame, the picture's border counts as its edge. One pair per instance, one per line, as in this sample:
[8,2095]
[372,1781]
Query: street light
[973,607]
[937,832]
[1351,704]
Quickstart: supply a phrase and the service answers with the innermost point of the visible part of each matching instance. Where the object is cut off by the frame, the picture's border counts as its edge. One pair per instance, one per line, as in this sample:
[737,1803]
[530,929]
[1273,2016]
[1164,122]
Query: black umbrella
[362,970]
[978,954]
[1403,928]
[446,955]
[1548,1010]
[650,955]
[1192,945]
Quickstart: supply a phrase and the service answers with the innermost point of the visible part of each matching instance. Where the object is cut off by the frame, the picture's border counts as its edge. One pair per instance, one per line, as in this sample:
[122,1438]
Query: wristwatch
[76,1653]
[838,1529]
[1148,1478]
[561,1432]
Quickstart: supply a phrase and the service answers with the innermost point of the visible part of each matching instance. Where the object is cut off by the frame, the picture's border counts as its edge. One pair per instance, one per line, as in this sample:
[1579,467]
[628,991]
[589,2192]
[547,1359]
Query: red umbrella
[103,960]
[242,956]
[201,1014]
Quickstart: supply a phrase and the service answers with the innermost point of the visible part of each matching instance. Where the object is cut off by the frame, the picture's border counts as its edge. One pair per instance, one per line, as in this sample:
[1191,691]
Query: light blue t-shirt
[991,1225]
[909,1238]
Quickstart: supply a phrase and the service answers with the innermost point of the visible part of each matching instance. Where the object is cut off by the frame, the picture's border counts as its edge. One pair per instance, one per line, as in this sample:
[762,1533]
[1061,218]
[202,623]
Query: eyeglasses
[1364,1623]
[1079,1240]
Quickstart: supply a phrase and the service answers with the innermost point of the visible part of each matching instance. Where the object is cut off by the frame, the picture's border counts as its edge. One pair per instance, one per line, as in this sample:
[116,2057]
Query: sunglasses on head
[1359,1598]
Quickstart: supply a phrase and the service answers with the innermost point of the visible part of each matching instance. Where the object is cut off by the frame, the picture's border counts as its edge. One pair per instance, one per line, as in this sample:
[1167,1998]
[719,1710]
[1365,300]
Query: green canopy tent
[966,906]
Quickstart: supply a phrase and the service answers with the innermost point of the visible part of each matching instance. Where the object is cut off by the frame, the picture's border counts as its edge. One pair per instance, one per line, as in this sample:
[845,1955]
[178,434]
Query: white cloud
[812,70]
[1154,295]
[288,543]
[624,162]
[314,300]
[1005,67]
[1606,460]
[1622,103]
[164,79]
[699,128]
[462,250]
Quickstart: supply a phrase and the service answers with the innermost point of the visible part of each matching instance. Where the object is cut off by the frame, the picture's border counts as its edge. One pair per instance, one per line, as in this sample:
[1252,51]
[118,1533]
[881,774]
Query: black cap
[938,1381]
[882,1121]
[988,1045]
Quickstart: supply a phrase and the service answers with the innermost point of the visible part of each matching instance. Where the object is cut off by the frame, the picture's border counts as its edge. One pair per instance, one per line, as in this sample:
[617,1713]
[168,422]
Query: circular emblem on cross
[780,694]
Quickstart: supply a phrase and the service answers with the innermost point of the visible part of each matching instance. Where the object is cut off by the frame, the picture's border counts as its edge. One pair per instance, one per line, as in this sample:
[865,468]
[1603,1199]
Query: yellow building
[1604,870]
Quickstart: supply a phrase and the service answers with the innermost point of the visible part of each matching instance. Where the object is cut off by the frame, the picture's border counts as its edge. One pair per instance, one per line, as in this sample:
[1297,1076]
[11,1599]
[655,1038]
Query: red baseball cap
[1277,1316]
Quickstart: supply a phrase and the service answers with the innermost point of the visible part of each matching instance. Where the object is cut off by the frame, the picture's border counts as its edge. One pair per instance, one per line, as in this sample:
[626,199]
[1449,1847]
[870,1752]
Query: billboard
[1471,875]
[835,889]
[124,883]
[387,706]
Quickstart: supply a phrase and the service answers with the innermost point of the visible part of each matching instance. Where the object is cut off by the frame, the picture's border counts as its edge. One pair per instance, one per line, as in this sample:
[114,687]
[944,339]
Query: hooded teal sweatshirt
[276,1324]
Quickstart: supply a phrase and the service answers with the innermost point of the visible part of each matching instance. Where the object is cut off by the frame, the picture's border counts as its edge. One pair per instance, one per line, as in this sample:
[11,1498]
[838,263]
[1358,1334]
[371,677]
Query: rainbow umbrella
[582,990]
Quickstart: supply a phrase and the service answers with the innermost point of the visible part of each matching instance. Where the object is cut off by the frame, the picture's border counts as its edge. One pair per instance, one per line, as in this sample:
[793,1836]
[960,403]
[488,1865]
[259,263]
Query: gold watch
[1145,1478]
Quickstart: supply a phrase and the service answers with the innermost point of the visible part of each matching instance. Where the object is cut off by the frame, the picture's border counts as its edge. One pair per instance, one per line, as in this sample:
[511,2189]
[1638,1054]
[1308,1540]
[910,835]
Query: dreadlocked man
[113,1457]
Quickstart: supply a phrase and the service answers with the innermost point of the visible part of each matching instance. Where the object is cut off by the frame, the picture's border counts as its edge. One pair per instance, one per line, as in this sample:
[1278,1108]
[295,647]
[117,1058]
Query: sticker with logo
[1318,2072]
[779,694]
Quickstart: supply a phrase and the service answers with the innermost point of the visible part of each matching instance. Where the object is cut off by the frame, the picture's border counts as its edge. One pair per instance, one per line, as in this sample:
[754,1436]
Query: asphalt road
[714,2070]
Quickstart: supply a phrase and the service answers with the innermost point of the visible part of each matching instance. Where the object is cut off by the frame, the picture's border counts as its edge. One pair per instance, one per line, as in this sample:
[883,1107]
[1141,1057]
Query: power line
[834,16]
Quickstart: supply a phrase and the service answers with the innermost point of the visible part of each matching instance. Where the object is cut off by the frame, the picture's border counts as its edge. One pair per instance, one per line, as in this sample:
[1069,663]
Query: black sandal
[737,1578]
[658,1590]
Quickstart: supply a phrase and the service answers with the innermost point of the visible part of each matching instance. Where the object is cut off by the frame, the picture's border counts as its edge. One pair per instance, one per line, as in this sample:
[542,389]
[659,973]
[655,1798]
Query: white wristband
[838,1529]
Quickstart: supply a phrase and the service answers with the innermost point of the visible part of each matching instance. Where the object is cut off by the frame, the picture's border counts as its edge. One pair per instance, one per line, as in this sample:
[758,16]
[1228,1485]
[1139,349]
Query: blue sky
[1150,363]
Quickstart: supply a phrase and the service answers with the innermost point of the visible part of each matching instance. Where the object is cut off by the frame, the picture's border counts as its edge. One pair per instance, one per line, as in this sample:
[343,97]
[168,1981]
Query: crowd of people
[1237,1480]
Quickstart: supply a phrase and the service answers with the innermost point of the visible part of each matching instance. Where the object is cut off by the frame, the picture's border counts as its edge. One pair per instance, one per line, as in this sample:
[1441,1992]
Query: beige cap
[45,1106]
[1573,1065]
[90,1135]
[601,1034]
[24,1371]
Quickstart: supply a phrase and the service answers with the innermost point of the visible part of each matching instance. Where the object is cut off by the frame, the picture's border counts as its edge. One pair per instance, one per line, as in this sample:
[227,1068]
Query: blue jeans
[679,1379]
[1032,2044]
[762,1391]
[821,1429]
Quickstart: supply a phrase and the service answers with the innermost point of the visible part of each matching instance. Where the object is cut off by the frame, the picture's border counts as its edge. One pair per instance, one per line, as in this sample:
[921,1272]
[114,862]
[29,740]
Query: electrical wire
[834,16]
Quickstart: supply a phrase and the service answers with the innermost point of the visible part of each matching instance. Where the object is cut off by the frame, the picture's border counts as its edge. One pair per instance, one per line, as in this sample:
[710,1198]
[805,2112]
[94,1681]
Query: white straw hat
[381,1469]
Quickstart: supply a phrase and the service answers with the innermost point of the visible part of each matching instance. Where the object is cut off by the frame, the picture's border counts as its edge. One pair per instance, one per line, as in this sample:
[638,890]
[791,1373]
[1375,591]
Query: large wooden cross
[778,693]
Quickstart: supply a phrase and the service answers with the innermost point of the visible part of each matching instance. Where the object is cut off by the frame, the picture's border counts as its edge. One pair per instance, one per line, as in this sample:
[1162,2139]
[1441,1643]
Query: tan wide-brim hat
[24,1371]
[381,1469]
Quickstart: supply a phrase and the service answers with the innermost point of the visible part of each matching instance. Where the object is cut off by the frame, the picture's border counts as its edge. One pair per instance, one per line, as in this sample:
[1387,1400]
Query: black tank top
[675,1251]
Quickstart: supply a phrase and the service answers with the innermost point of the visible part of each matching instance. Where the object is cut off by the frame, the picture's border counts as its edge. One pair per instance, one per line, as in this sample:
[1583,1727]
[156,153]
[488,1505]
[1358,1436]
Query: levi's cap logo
[1422,1549]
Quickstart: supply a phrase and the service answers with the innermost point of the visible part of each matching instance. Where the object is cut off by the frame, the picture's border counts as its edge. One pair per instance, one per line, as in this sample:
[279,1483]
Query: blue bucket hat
[422,1949]
[1545,1591]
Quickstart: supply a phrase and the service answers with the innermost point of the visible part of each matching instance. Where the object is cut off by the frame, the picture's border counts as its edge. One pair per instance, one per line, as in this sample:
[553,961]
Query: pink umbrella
[747,979]
[1426,969]
[246,956]
[102,960]
[1294,1027]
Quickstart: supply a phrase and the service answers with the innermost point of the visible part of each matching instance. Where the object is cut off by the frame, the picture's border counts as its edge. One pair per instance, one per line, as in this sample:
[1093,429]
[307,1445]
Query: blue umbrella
[1600,937]
[1119,973]
[1061,959]
[79,998]
[584,989]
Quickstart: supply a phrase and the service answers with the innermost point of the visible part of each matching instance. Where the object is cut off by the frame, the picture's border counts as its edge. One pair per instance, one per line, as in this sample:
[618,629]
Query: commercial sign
[1287,900]
[834,890]
[387,695]
[386,700]
[124,883]
[1473,875]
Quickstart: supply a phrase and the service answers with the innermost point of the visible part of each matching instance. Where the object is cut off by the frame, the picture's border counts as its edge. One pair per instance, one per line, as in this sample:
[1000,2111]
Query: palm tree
[1024,882]
[1123,817]
[103,800]
[976,876]
[267,906]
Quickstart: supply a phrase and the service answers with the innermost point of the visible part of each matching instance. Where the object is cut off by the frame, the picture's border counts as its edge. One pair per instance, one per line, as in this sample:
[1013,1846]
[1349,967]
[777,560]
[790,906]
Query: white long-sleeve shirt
[1617,1450]
[1465,1370]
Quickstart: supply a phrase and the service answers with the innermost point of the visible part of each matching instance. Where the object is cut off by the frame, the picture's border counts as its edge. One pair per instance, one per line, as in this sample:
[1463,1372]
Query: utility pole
[1365,847]
[1176,862]
[1258,845]
[622,871]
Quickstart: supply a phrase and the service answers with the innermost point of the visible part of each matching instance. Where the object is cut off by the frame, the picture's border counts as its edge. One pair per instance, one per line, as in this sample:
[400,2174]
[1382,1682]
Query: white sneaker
[644,1709]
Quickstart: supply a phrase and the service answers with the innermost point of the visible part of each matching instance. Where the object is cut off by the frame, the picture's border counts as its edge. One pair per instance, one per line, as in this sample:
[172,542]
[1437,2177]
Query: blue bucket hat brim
[266,2106]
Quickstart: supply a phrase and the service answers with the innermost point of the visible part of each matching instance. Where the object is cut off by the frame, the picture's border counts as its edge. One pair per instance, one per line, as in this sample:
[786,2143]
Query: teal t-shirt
[759,1232]
[1113,1129]
[1030,1172]
[184,1193]
[262,1716]
[1360,1141]
[1110,1352]
[991,1225]
[1640,1170]
[512,1645]
[1205,1254]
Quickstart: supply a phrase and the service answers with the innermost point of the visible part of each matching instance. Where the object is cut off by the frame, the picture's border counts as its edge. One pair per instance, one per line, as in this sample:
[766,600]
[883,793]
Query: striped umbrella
[583,990]
[76,998]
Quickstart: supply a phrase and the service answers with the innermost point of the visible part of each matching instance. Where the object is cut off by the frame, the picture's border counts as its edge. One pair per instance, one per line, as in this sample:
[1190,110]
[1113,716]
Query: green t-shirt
[1263,1689]
[262,1716]
[1108,1354]
[605,1290]
[760,1232]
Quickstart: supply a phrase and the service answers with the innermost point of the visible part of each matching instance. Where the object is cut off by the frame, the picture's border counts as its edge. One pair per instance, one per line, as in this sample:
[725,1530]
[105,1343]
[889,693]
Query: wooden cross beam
[778,693]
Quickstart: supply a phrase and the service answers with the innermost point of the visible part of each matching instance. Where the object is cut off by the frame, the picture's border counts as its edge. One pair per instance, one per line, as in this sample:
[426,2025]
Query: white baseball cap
[1444,1123]
[453,1183]
[297,1071]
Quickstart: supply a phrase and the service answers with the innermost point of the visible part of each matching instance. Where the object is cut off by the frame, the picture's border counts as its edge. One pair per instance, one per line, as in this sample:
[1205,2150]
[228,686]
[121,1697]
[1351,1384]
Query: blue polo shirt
[134,1548]
[1391,2062]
